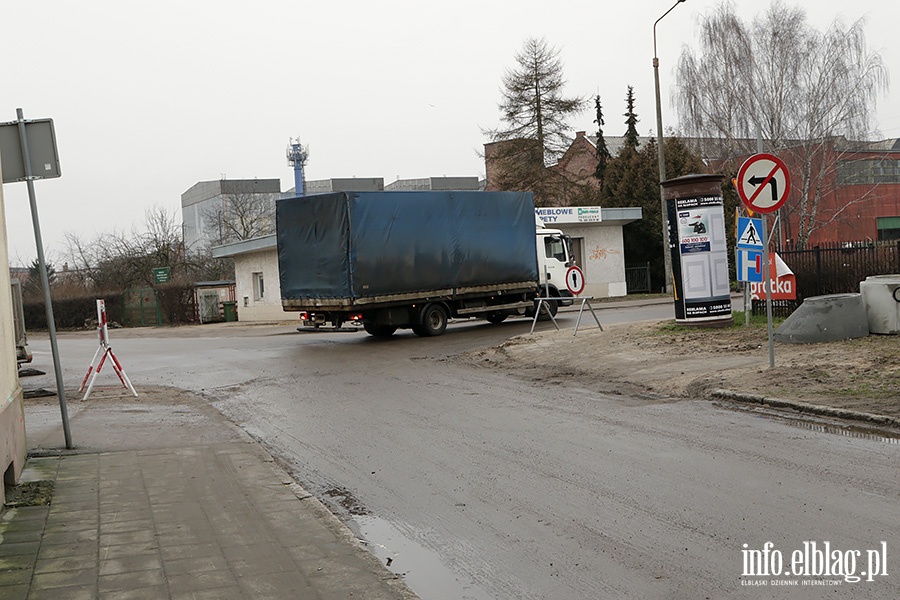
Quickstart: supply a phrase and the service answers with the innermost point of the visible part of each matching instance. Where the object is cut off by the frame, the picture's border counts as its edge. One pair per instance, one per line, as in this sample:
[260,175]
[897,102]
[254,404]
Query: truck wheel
[548,308]
[434,321]
[381,331]
[496,317]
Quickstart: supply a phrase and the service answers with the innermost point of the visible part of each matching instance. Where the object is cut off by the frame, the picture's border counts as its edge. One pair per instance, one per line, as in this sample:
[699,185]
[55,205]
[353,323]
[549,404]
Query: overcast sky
[149,98]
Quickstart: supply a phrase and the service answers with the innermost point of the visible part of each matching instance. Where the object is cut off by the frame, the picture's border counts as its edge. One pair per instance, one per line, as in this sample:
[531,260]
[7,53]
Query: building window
[259,286]
[889,228]
[869,171]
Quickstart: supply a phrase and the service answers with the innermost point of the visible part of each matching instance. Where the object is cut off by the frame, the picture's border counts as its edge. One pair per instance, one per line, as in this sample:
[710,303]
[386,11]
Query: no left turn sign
[575,280]
[763,183]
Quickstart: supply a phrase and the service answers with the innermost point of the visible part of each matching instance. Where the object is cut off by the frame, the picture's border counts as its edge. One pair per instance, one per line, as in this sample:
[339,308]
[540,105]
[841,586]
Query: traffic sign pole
[45,279]
[763,184]
[768,287]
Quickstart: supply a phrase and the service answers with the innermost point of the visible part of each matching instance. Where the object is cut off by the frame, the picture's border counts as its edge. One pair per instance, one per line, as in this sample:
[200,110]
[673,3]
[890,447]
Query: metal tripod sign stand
[104,351]
[575,284]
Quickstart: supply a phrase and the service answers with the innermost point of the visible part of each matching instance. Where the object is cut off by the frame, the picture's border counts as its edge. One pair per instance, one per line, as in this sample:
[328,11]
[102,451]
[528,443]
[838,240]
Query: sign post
[763,185]
[24,145]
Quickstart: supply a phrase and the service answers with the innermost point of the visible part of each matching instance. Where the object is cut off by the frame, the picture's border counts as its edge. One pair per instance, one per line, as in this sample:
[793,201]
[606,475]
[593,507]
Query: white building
[257,283]
[12,412]
[596,243]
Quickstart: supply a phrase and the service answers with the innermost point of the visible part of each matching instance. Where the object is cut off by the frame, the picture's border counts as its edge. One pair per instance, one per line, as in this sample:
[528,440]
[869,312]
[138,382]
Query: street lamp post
[667,256]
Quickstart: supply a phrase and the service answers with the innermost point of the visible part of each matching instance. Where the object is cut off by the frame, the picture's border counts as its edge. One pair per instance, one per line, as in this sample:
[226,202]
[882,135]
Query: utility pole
[667,255]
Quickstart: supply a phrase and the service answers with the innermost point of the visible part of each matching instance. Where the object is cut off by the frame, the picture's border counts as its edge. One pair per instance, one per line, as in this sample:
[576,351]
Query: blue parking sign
[749,265]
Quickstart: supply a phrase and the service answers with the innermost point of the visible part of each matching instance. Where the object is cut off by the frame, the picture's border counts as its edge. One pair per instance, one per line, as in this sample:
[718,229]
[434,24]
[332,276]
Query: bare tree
[241,216]
[805,91]
[115,261]
[534,112]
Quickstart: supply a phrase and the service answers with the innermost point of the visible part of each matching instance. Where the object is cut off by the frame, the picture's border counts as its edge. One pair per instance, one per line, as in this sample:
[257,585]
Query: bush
[72,313]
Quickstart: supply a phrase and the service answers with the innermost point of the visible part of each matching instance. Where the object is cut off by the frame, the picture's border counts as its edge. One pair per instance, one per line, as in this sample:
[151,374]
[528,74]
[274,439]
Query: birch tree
[809,93]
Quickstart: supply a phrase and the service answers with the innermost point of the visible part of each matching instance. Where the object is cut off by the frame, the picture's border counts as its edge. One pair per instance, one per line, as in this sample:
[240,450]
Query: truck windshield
[555,248]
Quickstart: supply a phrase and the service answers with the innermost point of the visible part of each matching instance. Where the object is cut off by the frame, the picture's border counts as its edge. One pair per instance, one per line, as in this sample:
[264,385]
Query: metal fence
[834,269]
[637,279]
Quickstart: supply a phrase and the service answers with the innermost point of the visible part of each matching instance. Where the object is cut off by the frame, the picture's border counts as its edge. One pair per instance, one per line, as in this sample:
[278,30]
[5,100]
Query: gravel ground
[658,361]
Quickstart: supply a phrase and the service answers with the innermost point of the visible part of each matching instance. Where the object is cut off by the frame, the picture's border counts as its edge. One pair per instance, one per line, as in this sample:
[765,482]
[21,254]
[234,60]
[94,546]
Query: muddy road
[476,484]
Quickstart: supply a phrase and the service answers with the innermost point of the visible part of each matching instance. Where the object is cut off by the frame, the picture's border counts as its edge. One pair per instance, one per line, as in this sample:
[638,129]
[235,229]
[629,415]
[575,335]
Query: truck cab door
[553,260]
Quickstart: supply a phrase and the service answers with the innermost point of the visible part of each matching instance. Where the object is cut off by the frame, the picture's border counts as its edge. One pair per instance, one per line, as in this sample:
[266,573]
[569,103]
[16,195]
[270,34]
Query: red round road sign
[763,183]
[575,280]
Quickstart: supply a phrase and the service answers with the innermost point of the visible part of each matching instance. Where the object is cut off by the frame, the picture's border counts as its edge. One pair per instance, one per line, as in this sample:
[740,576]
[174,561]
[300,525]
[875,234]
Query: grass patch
[30,493]
[864,386]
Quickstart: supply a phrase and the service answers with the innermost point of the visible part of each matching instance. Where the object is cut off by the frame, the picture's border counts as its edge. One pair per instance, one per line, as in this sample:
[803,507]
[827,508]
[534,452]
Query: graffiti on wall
[599,253]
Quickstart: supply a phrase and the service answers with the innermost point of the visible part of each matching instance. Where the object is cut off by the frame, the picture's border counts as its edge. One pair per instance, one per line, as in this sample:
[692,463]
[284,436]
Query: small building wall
[12,413]
[267,308]
[602,260]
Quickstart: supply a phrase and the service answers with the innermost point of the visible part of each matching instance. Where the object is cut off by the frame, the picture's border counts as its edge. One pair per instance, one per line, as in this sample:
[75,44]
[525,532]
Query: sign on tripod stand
[104,351]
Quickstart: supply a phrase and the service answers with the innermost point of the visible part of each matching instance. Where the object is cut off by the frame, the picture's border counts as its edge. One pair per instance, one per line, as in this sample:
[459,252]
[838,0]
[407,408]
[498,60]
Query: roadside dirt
[657,362]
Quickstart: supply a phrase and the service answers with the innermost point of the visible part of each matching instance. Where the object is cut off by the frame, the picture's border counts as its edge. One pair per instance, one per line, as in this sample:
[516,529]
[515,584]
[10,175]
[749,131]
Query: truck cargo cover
[354,245]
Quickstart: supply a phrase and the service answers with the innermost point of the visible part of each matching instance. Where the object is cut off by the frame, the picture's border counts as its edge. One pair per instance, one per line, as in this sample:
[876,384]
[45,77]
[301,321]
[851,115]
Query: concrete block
[881,297]
[825,319]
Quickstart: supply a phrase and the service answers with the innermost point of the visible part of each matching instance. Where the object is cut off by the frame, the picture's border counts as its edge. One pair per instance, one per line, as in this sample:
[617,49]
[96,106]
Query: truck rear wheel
[434,321]
[381,331]
[496,317]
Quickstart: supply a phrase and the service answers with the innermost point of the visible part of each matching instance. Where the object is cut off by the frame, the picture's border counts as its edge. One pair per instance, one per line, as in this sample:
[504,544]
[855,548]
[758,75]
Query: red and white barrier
[103,333]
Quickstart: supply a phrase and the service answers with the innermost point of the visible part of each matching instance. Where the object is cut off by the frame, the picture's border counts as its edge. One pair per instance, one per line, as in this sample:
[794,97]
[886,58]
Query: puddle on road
[884,437]
[419,567]
[852,431]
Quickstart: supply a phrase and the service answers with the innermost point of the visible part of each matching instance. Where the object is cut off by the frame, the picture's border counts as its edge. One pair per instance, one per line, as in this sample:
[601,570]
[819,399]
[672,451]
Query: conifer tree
[535,132]
[603,155]
[631,120]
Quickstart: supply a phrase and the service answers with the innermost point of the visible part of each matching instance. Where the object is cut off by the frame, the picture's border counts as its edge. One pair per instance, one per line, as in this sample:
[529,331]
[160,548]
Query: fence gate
[142,308]
[209,307]
[637,279]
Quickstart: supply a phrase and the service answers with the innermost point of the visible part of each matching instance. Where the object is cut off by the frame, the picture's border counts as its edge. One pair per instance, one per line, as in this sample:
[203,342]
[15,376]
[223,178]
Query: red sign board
[781,278]
[575,280]
[763,183]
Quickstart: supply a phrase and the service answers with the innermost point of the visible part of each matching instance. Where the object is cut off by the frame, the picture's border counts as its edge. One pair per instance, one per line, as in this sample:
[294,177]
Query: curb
[804,407]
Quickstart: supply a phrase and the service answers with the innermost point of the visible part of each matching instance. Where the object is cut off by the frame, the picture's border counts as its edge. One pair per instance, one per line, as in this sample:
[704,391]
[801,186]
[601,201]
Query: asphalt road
[479,485]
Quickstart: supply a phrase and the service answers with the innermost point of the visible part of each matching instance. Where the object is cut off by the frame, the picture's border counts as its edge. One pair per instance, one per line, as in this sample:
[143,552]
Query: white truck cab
[554,257]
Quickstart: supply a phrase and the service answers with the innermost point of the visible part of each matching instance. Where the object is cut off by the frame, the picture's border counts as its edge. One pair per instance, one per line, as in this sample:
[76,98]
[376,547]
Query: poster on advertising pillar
[699,250]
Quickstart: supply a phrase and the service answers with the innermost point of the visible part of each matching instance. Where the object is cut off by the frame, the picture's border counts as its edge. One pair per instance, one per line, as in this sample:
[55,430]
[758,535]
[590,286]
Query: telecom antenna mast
[297,156]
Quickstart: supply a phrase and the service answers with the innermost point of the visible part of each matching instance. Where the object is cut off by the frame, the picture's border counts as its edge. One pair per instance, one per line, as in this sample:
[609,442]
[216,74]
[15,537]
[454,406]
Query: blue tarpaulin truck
[416,259]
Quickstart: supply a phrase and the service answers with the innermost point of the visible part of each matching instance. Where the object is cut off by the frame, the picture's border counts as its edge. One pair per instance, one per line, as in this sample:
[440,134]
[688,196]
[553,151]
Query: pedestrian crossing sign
[749,233]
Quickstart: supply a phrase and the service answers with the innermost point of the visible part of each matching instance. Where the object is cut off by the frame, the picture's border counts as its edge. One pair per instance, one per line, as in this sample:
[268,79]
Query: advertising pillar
[699,250]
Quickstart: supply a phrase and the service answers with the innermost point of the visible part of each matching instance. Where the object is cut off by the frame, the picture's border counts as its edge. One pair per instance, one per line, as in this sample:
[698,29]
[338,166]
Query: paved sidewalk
[176,519]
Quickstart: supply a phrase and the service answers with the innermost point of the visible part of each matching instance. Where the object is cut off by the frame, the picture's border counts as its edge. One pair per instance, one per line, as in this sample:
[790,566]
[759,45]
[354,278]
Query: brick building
[862,202]
[859,184]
